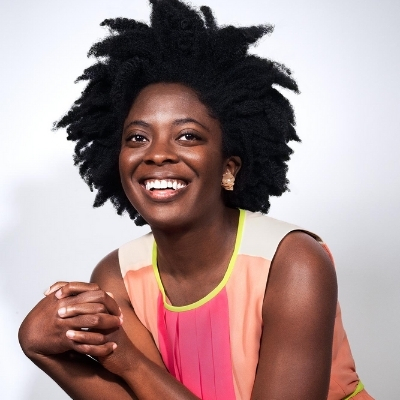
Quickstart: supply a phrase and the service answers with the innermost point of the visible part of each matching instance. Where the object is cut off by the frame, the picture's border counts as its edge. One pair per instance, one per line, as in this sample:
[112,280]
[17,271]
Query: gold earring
[228,180]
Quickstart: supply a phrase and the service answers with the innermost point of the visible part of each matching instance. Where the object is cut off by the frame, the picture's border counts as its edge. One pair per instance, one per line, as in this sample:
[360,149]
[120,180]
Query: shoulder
[107,268]
[302,276]
[107,274]
[300,251]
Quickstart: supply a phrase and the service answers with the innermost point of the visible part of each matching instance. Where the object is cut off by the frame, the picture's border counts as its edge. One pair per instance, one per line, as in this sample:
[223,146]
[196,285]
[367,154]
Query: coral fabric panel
[143,292]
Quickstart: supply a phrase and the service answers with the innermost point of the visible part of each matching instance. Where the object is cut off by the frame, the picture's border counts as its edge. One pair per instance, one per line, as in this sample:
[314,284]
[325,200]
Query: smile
[163,184]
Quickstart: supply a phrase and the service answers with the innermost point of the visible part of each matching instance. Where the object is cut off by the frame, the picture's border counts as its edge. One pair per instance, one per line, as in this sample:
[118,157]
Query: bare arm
[298,315]
[135,360]
[43,339]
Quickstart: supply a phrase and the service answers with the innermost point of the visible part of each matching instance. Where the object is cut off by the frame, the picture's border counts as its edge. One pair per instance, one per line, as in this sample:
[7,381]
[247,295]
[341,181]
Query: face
[171,160]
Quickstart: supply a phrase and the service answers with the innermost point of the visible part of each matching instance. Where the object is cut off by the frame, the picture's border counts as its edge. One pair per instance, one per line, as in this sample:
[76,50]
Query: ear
[233,165]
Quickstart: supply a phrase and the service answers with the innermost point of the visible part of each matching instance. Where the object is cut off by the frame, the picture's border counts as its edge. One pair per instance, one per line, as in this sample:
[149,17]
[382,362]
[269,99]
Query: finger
[85,337]
[81,309]
[93,321]
[101,350]
[54,287]
[75,288]
[93,296]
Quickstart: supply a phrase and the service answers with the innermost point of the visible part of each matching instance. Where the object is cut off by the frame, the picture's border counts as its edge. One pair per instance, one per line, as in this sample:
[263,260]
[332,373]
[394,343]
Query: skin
[170,134]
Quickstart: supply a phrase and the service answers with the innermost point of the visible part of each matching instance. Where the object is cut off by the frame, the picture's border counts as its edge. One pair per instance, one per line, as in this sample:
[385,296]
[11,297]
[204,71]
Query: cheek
[126,167]
[213,168]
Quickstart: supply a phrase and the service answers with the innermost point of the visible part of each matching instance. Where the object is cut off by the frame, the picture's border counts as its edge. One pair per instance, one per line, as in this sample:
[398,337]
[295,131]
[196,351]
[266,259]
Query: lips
[164,184]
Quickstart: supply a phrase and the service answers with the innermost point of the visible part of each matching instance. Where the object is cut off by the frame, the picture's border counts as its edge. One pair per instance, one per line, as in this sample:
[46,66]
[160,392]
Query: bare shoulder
[108,266]
[302,266]
[107,274]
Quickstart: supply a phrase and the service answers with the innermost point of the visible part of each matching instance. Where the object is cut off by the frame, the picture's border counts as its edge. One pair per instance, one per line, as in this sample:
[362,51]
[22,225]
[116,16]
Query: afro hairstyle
[184,45]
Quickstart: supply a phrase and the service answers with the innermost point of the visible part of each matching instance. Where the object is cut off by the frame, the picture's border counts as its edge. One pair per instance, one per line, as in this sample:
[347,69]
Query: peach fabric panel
[143,292]
[136,253]
[247,281]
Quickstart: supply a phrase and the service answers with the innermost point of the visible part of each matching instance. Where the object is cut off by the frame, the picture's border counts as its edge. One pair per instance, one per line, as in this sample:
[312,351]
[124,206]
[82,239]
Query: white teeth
[163,184]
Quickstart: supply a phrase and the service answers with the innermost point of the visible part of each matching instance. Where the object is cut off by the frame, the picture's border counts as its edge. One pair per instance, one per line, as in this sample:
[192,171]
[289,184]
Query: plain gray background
[344,176]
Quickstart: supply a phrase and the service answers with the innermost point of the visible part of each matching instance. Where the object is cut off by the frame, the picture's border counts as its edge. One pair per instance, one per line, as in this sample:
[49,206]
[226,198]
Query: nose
[161,151]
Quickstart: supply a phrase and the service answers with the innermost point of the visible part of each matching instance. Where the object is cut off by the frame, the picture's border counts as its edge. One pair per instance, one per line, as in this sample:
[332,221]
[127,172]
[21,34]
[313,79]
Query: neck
[196,250]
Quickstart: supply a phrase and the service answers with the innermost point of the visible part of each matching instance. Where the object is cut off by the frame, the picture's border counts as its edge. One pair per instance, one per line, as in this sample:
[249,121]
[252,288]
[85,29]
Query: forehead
[169,101]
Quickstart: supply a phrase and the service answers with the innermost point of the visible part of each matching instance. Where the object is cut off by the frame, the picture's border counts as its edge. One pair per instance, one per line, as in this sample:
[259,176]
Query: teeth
[164,184]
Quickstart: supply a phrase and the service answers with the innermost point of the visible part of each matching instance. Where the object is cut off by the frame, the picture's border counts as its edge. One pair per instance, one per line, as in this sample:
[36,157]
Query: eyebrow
[182,121]
[137,122]
[176,122]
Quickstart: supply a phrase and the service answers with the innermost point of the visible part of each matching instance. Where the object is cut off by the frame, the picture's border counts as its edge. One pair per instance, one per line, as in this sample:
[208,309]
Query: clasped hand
[73,316]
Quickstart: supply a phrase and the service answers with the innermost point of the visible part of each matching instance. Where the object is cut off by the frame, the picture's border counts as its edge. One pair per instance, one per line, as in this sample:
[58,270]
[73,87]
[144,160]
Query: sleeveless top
[212,346]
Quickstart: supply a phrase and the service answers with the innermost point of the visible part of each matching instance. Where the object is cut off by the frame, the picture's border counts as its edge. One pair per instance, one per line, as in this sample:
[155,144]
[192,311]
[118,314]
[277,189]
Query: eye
[189,136]
[136,138]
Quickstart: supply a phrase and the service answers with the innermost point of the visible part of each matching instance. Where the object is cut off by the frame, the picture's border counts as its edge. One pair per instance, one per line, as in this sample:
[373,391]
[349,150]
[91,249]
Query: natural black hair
[183,45]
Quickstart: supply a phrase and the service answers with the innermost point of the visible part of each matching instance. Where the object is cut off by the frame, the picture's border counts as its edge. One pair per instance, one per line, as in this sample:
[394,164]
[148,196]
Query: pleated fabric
[195,347]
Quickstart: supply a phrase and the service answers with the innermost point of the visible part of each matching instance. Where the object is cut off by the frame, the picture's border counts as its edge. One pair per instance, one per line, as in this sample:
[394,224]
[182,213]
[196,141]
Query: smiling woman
[170,136]
[184,130]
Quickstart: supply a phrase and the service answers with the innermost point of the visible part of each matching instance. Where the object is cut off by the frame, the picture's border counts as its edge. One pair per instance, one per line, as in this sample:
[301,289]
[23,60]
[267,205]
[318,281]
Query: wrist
[130,363]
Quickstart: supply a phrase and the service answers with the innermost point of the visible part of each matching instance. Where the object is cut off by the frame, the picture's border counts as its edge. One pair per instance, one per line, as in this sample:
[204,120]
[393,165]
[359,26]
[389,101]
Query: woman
[184,130]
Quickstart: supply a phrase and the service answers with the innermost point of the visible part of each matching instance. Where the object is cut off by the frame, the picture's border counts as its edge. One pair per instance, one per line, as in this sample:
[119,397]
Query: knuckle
[63,302]
[102,295]
[93,320]
[100,339]
[85,347]
[100,308]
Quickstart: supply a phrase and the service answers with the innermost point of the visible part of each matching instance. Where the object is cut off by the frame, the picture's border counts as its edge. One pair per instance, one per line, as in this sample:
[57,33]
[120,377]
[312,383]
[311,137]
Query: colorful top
[212,346]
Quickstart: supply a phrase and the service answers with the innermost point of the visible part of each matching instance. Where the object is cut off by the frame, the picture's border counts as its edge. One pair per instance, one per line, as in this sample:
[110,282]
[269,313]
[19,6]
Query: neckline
[217,289]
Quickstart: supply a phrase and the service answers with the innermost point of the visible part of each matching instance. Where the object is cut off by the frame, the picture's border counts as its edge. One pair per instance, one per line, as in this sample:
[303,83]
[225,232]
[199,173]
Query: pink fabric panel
[195,347]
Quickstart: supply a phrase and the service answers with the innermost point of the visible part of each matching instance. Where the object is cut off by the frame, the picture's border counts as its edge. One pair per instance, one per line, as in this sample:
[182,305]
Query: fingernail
[110,294]
[121,319]
[115,346]
[58,294]
[62,311]
[70,334]
[47,291]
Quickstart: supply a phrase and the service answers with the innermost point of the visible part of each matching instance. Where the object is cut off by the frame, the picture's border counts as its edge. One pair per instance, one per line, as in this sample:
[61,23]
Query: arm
[298,316]
[43,339]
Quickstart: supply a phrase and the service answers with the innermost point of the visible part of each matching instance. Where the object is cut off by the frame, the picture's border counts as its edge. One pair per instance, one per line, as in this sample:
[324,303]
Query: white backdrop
[344,176]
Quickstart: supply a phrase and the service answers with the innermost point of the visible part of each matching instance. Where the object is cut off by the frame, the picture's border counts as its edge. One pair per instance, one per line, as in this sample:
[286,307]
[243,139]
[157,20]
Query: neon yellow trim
[359,387]
[220,286]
